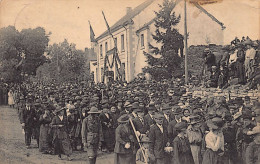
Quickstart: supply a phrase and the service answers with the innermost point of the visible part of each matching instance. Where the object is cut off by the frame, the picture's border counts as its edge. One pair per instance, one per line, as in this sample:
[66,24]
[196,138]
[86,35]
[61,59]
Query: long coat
[253,153]
[27,117]
[171,130]
[122,155]
[148,121]
[158,141]
[107,128]
[60,135]
[44,139]
[182,151]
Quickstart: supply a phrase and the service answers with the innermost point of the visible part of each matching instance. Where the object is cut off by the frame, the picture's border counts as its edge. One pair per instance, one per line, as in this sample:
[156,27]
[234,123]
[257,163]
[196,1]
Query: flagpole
[185,43]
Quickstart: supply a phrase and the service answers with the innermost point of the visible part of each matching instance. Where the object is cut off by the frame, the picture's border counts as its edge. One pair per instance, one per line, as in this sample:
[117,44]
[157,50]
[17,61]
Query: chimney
[128,9]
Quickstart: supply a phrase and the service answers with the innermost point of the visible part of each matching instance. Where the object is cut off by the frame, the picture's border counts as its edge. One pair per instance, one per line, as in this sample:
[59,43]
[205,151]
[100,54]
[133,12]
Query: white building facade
[133,34]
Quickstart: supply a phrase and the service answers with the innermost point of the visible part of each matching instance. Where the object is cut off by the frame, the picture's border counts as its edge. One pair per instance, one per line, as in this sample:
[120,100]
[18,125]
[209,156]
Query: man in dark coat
[139,121]
[148,119]
[166,113]
[171,127]
[27,119]
[159,140]
[107,128]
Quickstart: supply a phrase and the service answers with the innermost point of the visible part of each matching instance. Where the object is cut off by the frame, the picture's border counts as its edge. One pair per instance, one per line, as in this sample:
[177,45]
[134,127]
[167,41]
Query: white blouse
[215,142]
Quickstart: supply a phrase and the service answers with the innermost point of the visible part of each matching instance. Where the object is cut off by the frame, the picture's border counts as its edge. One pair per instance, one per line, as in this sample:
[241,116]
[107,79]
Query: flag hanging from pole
[92,34]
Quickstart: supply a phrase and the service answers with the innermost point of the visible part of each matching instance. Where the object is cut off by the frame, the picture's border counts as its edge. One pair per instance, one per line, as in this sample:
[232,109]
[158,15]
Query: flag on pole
[92,34]
[108,28]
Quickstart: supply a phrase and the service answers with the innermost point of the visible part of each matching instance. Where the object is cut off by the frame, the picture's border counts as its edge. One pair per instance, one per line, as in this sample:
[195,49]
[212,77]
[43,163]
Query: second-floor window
[122,42]
[101,51]
[142,40]
[106,48]
[115,42]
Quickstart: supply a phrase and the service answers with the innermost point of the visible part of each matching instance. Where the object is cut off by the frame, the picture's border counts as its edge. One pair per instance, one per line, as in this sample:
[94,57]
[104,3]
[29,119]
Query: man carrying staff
[92,135]
[125,141]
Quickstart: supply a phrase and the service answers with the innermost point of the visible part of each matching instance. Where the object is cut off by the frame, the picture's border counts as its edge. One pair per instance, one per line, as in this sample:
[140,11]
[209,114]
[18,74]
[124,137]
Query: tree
[66,63]
[164,61]
[24,50]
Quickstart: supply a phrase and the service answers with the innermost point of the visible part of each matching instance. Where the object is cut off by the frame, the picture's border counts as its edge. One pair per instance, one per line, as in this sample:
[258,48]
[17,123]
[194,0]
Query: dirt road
[12,147]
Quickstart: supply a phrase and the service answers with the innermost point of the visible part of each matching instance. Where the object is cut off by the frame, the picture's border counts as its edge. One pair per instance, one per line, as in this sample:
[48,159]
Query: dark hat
[151,108]
[105,106]
[145,139]
[247,98]
[247,114]
[195,119]
[215,123]
[228,117]
[123,119]
[94,110]
[138,110]
[180,126]
[158,116]
[177,111]
[166,107]
[58,109]
[135,105]
[77,98]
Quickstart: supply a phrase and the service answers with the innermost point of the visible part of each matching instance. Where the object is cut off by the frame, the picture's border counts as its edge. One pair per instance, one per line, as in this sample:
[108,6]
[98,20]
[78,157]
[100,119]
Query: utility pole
[185,43]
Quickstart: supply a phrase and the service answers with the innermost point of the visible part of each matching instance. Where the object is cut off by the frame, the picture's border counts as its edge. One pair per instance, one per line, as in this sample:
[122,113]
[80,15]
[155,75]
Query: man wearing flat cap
[92,134]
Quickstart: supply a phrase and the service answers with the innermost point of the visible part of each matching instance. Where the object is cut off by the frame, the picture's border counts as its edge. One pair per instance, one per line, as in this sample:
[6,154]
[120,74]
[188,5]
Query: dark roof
[127,18]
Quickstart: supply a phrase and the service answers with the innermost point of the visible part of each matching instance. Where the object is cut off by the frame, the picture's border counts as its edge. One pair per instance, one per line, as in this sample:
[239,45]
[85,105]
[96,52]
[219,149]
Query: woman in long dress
[11,98]
[44,139]
[61,138]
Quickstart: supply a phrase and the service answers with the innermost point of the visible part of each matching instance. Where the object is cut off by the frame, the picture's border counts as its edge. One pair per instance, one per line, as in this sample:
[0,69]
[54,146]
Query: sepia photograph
[129,81]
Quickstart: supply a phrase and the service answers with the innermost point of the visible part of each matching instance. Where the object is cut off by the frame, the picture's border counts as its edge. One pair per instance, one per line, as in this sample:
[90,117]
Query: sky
[68,19]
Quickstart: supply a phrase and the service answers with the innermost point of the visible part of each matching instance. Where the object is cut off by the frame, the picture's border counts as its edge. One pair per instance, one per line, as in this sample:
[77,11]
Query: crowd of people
[142,121]
[240,61]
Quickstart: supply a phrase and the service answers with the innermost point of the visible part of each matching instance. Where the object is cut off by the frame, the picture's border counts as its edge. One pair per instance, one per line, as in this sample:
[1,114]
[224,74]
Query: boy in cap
[145,141]
[182,151]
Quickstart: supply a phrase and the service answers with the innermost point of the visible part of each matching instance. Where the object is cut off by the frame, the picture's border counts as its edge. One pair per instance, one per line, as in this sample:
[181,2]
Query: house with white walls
[133,34]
